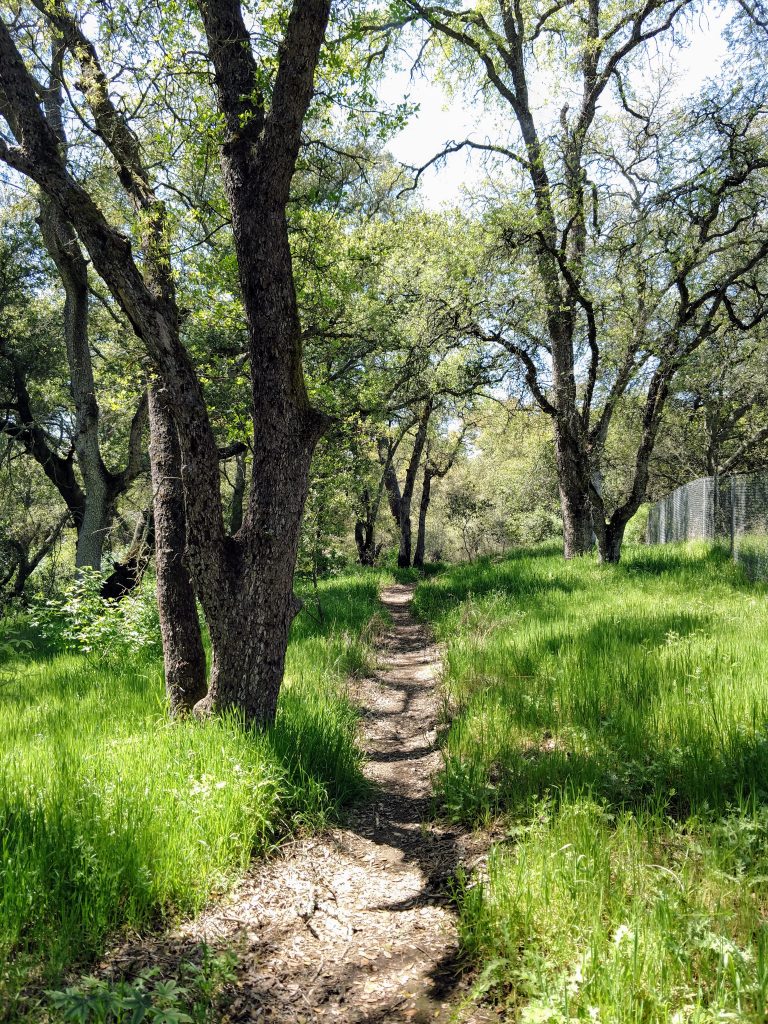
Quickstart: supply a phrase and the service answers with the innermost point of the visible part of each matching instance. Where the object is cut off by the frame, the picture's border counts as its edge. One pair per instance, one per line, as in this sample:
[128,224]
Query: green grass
[752,554]
[612,721]
[112,817]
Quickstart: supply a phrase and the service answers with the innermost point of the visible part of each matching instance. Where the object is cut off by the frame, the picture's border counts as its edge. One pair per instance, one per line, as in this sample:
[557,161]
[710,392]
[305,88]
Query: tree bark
[610,542]
[573,476]
[249,614]
[394,497]
[404,553]
[183,652]
[365,531]
[64,249]
[421,537]
[610,537]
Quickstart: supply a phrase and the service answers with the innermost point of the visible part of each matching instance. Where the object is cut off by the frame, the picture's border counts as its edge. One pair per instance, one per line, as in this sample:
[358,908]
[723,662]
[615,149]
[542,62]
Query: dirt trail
[355,925]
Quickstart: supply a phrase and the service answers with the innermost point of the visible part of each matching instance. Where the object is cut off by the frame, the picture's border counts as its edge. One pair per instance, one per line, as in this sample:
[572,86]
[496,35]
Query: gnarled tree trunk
[249,611]
[609,541]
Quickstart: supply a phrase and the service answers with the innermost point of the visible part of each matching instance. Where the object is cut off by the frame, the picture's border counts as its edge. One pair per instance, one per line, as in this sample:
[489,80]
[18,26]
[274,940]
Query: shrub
[79,619]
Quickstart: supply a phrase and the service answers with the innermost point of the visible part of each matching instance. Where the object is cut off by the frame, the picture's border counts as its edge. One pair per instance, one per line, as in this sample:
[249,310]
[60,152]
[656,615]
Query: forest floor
[355,924]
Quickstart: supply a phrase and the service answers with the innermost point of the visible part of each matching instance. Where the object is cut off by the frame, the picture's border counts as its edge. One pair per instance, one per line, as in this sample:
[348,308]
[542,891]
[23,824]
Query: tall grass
[113,817]
[613,721]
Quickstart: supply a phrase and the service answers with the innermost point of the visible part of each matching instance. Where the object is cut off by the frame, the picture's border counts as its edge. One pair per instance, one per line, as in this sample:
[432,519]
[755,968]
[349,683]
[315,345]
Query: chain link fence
[733,509]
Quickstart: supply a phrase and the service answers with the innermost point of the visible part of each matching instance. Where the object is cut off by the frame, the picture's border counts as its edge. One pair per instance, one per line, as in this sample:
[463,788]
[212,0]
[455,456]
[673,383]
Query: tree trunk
[247,593]
[432,469]
[365,543]
[93,529]
[610,532]
[365,532]
[250,611]
[573,482]
[609,541]
[391,483]
[404,551]
[92,506]
[418,556]
[64,248]
[404,554]
[101,488]
[183,652]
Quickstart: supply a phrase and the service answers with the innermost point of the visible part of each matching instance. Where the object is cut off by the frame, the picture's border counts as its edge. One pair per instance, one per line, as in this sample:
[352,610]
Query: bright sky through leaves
[440,118]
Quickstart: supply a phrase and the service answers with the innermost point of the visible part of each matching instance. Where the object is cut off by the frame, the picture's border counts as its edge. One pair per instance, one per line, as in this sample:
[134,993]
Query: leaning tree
[48,395]
[263,88]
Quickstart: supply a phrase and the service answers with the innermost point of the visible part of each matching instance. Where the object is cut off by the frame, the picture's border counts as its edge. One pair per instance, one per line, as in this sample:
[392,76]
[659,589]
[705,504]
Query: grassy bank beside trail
[111,816]
[613,722]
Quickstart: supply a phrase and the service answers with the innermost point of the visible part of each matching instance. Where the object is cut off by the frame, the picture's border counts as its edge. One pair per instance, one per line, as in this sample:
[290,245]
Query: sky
[441,118]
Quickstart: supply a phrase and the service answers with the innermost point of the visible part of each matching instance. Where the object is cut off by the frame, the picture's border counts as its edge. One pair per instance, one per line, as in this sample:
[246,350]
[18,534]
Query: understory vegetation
[114,817]
[612,726]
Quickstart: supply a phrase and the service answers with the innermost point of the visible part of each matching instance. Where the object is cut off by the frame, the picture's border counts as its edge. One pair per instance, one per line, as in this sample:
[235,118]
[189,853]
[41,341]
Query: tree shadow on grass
[690,570]
[455,590]
[599,706]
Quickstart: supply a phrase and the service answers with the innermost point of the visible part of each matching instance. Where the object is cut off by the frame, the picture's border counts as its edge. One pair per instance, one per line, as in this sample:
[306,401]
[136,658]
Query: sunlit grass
[587,914]
[112,817]
[614,721]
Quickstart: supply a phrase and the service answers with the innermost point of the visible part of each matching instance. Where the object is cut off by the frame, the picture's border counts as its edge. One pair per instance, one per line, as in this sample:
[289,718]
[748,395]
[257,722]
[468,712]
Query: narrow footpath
[356,925]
